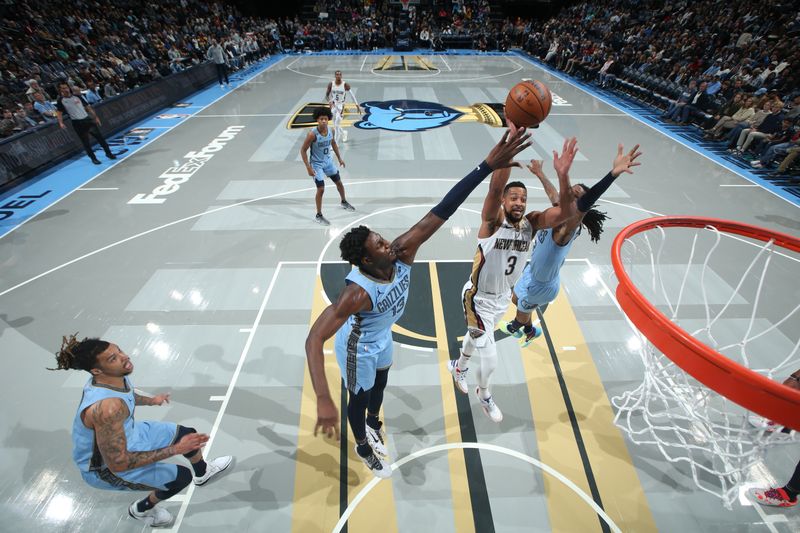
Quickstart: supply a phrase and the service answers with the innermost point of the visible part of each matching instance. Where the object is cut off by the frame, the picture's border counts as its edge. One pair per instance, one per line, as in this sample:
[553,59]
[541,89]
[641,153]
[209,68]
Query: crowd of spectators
[371,24]
[729,67]
[107,48]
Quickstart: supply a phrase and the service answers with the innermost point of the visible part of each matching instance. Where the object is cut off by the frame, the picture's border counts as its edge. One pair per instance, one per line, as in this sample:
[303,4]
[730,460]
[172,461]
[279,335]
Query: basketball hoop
[698,387]
[405,3]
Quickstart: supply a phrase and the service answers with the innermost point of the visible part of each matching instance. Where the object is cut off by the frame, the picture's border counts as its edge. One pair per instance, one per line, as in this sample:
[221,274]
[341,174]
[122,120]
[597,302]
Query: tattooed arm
[107,417]
[141,399]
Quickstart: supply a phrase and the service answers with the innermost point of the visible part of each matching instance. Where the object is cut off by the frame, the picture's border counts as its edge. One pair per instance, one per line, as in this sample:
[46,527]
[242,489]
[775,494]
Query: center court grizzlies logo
[406,115]
[403,115]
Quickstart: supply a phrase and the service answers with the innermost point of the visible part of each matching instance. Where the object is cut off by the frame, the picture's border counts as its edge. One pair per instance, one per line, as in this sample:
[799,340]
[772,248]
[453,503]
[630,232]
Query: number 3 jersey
[388,303]
[499,261]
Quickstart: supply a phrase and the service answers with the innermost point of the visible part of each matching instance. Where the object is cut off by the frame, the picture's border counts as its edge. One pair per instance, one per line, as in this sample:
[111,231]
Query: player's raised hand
[563,162]
[624,162]
[502,155]
[535,166]
[327,418]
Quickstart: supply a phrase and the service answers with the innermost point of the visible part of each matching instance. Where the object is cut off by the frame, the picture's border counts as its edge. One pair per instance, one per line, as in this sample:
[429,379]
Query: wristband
[591,196]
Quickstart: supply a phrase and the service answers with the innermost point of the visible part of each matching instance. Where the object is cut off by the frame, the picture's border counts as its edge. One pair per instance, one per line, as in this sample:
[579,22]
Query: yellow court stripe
[412,334]
[316,481]
[462,503]
[617,480]
[380,501]
[556,441]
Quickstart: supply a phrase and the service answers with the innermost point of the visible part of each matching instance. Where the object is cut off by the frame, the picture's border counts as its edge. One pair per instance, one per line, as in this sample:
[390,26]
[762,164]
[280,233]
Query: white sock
[463,362]
[484,394]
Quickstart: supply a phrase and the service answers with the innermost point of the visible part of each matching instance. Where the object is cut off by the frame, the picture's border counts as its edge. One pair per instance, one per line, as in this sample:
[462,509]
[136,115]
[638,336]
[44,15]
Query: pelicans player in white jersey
[336,95]
[504,240]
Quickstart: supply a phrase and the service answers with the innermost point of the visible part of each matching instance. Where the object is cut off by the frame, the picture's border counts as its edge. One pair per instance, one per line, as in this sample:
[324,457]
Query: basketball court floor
[211,282]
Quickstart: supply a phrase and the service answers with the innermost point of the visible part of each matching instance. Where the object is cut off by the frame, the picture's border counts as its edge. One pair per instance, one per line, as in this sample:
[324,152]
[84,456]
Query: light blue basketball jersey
[321,150]
[84,451]
[547,256]
[388,303]
[140,436]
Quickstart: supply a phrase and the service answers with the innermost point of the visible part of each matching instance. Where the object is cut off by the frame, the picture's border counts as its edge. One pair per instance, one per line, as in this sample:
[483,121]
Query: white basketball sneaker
[153,517]
[213,468]
[459,376]
[377,439]
[378,466]
[489,407]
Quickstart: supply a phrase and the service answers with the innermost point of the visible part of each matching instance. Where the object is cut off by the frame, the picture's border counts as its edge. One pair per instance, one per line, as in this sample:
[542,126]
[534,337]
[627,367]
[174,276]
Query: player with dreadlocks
[373,299]
[115,451]
[541,279]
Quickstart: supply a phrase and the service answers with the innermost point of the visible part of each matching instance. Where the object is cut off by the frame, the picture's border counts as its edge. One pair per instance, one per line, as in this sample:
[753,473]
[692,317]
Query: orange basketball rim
[749,389]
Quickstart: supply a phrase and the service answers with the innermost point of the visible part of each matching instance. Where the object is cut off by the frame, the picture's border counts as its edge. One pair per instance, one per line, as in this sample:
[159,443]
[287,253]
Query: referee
[84,120]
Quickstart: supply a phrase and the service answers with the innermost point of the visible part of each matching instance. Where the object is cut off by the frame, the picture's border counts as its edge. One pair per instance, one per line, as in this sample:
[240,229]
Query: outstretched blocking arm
[564,206]
[536,169]
[352,300]
[624,162]
[501,156]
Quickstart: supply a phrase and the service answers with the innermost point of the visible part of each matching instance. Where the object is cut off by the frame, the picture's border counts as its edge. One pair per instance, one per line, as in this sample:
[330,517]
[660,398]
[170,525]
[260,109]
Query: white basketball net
[693,426]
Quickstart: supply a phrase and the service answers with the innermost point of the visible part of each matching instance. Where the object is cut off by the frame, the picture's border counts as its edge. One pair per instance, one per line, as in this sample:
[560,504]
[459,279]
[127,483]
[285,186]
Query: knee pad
[474,340]
[180,482]
[182,432]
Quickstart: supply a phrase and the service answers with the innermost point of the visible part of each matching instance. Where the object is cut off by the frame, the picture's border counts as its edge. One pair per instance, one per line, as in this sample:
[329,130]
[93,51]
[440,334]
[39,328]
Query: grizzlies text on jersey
[364,342]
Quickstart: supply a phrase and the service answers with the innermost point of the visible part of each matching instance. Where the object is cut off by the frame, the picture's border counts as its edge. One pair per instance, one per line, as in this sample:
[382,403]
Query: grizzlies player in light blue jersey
[113,450]
[541,279]
[374,299]
[321,143]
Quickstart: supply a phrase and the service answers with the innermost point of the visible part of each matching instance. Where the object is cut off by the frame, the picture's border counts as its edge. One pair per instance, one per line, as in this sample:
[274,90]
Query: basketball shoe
[489,407]
[535,332]
[377,440]
[378,466]
[321,220]
[213,468]
[153,517]
[772,497]
[505,328]
[459,376]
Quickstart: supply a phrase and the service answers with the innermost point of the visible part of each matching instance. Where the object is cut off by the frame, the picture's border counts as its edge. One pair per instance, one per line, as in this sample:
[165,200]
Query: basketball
[528,103]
